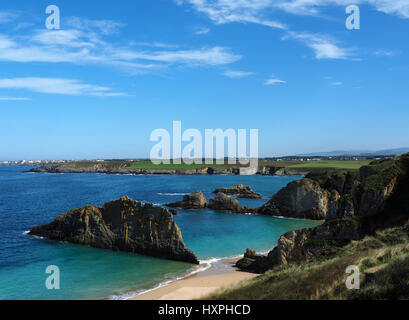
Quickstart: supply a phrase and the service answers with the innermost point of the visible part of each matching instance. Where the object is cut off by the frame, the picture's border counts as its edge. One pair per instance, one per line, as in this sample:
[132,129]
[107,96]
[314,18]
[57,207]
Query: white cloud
[14,99]
[57,86]
[323,46]
[237,74]
[153,45]
[224,11]
[104,26]
[336,84]
[83,48]
[70,38]
[203,56]
[257,11]
[7,16]
[202,31]
[273,81]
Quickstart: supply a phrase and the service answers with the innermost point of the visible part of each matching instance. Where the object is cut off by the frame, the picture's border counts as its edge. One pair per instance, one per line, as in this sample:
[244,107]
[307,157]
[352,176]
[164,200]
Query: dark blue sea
[31,199]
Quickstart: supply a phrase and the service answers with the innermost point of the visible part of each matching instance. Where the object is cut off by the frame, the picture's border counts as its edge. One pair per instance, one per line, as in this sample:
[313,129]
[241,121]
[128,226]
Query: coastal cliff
[354,205]
[147,168]
[121,225]
[332,194]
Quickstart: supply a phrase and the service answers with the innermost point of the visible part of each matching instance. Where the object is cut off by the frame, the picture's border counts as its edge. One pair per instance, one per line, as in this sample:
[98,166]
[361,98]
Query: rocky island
[121,225]
[223,202]
[240,190]
[195,200]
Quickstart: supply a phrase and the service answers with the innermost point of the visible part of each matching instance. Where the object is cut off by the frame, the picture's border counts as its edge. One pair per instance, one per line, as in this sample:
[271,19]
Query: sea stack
[121,225]
[223,202]
[195,200]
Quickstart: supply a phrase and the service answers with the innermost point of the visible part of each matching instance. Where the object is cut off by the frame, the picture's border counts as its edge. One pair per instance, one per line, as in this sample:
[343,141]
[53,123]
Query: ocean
[31,199]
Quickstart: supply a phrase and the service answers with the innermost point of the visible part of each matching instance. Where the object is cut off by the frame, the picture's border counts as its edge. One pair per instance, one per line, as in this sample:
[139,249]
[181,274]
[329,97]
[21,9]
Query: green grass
[293,166]
[331,164]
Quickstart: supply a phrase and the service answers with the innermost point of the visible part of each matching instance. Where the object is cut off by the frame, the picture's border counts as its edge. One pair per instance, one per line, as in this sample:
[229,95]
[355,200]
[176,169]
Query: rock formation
[121,225]
[301,245]
[300,199]
[195,200]
[240,190]
[353,205]
[226,203]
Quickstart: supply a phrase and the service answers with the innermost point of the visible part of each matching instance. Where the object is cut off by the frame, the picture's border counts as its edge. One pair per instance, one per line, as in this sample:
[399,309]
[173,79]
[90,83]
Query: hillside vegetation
[371,231]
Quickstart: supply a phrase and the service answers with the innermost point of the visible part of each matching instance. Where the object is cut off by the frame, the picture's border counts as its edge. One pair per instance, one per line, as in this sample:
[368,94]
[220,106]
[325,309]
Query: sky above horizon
[116,71]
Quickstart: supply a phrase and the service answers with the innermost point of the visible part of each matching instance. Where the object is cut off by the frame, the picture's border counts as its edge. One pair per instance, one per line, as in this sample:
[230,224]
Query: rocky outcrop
[223,202]
[300,199]
[303,245]
[240,190]
[121,225]
[195,200]
[337,194]
[354,205]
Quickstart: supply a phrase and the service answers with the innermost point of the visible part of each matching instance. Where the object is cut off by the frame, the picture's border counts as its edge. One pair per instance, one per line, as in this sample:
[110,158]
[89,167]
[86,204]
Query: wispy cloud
[273,81]
[237,74]
[103,26]
[202,31]
[7,16]
[57,86]
[14,99]
[153,45]
[255,11]
[226,11]
[203,56]
[384,53]
[78,46]
[323,46]
[258,12]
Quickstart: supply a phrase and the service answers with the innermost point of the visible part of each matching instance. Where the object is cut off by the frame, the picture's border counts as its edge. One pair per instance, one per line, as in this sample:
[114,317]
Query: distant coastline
[266,167]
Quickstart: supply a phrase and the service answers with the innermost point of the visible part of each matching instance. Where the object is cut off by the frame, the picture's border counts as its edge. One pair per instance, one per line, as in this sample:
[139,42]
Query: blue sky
[115,71]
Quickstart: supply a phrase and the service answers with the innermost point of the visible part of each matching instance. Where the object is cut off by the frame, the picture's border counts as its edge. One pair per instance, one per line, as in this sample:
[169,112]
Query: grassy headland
[147,167]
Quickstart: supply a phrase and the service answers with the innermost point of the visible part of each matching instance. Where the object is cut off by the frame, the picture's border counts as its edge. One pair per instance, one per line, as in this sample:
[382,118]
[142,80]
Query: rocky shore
[221,202]
[353,205]
[124,167]
[121,225]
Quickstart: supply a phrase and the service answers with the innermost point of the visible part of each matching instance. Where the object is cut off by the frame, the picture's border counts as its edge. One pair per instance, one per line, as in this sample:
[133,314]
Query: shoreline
[181,173]
[220,274]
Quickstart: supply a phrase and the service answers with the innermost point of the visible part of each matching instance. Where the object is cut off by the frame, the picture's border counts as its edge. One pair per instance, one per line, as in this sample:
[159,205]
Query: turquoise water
[28,199]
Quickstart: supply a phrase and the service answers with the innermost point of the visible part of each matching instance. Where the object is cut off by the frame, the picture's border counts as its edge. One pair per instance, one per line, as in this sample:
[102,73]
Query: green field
[324,164]
[331,164]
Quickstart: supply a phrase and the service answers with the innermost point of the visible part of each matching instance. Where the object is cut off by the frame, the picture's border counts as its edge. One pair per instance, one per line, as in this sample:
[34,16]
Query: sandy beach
[220,275]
